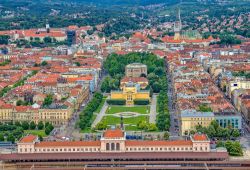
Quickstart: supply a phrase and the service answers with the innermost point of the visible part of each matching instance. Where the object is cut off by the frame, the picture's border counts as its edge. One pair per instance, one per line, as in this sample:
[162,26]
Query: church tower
[177,26]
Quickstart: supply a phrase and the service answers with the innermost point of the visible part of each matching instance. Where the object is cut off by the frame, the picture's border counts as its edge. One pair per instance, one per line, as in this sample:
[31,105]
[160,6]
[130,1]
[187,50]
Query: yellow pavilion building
[131,92]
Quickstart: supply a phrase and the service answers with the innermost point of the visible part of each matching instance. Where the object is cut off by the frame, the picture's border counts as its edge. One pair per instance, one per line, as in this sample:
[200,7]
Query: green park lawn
[137,109]
[36,132]
[130,123]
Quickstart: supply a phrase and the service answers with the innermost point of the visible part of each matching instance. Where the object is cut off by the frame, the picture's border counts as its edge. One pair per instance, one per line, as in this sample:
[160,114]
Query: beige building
[189,119]
[135,70]
[79,94]
[56,114]
[6,112]
[113,141]
[238,83]
[142,81]
[24,113]
[130,93]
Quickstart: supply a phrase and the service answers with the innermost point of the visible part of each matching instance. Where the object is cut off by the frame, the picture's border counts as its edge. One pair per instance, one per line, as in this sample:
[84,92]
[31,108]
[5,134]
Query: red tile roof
[159,143]
[200,137]
[34,33]
[28,139]
[68,143]
[117,133]
[6,106]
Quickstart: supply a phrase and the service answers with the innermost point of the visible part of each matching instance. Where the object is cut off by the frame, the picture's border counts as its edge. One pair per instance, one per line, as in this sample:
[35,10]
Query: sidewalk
[152,114]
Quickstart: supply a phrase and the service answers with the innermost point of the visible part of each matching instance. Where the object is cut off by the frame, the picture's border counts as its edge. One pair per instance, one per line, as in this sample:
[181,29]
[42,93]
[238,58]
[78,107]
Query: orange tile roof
[117,133]
[6,106]
[33,33]
[72,27]
[200,137]
[159,143]
[28,139]
[22,108]
[68,143]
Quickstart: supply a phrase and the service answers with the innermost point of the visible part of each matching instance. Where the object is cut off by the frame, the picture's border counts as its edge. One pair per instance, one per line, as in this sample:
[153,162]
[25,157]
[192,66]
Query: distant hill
[126,2]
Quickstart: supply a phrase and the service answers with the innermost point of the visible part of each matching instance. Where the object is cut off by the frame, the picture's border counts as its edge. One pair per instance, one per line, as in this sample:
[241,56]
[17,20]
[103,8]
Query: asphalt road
[174,121]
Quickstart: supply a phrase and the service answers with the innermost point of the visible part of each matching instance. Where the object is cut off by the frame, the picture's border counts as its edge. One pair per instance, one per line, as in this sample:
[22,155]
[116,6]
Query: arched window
[117,146]
[112,146]
[107,147]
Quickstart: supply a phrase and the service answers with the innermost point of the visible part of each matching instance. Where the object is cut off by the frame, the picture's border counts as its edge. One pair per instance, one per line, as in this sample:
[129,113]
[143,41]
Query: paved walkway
[152,114]
[100,115]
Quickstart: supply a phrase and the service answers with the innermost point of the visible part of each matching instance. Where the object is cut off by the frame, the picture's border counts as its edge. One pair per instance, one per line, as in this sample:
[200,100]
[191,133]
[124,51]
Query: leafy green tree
[166,136]
[1,137]
[192,132]
[236,133]
[19,102]
[159,71]
[211,132]
[101,126]
[48,129]
[48,100]
[40,125]
[11,138]
[227,39]
[220,144]
[77,64]
[32,125]
[17,123]
[44,63]
[142,125]
[234,148]
[25,125]
[156,87]
[47,40]
[17,133]
[204,108]
[226,133]
[215,124]
[152,127]
[40,138]
[37,39]
[47,124]
[4,39]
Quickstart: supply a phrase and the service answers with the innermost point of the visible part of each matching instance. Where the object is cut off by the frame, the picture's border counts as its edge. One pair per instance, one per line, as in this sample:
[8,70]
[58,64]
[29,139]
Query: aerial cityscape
[122,84]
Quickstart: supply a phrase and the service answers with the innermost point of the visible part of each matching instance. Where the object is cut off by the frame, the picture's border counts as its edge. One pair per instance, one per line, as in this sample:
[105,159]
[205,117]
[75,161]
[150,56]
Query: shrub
[141,102]
[116,101]
[101,126]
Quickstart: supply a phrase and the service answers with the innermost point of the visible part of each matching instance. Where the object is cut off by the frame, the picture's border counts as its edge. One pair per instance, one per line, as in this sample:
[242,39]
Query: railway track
[102,165]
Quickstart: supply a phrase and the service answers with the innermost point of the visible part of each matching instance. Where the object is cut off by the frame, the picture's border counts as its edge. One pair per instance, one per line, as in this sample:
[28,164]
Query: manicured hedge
[141,102]
[116,101]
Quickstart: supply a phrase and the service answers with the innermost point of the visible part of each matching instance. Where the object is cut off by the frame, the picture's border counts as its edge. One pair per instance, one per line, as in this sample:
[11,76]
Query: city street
[174,122]
[69,131]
